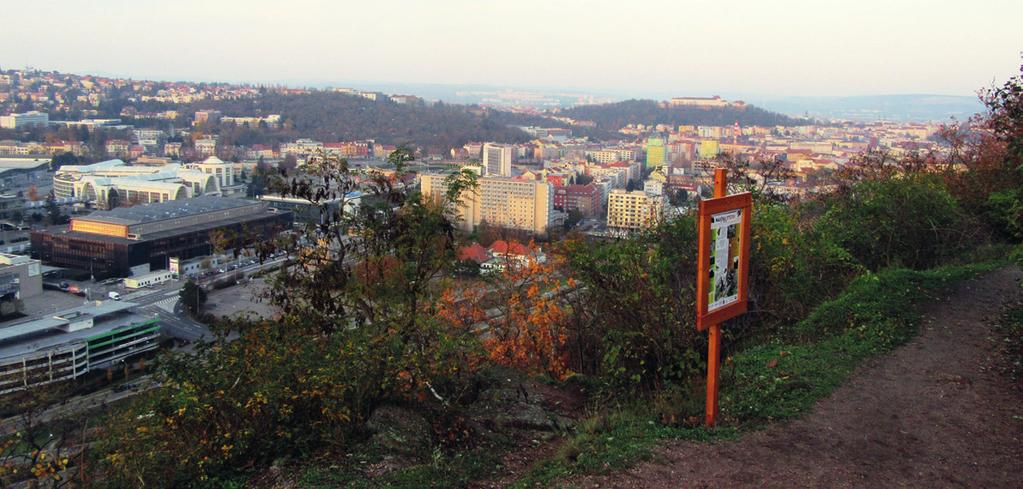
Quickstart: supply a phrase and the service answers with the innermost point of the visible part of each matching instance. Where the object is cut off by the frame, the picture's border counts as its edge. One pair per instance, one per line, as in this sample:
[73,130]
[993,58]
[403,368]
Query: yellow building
[656,153]
[709,149]
[633,210]
[526,205]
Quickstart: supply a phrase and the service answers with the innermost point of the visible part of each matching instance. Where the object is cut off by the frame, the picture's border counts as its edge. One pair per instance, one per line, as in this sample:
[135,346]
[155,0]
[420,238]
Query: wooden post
[713,358]
[714,331]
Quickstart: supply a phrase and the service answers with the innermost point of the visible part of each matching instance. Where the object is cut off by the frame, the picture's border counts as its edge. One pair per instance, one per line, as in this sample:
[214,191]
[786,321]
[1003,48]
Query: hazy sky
[626,47]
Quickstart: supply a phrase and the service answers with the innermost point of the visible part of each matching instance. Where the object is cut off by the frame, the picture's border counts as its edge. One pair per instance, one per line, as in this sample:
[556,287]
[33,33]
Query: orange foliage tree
[530,331]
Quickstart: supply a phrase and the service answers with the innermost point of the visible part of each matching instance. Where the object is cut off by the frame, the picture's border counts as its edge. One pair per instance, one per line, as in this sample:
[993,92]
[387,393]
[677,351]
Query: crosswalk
[167,304]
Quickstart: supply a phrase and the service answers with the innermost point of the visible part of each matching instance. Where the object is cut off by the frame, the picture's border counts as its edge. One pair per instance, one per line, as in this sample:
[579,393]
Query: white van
[114,295]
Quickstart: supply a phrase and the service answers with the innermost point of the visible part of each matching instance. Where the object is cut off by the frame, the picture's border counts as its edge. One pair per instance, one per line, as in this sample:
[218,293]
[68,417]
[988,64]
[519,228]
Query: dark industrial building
[142,238]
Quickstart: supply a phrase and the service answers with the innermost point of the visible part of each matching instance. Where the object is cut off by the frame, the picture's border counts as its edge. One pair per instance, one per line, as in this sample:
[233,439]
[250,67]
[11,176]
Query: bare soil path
[932,414]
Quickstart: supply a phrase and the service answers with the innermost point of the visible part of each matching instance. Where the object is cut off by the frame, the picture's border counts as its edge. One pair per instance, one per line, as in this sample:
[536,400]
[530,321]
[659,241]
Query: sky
[625,47]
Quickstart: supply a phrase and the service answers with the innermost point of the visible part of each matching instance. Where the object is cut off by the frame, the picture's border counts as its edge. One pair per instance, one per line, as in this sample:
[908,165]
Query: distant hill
[330,116]
[614,116]
[899,108]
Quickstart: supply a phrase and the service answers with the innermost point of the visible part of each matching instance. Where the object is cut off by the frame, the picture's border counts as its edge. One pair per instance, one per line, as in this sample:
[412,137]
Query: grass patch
[873,315]
[782,379]
[613,441]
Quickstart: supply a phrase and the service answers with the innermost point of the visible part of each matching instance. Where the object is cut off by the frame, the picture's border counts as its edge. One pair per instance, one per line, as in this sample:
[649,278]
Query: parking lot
[240,301]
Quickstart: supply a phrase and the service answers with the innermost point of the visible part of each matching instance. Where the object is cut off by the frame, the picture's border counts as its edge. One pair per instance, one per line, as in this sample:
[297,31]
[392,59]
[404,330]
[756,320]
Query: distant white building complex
[114,183]
[18,121]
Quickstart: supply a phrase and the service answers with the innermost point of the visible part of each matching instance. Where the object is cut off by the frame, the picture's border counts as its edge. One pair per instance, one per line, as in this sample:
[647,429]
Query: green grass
[873,315]
[613,441]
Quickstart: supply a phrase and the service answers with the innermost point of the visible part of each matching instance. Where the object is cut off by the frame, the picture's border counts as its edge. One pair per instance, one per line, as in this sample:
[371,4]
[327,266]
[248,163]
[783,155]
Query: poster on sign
[723,259]
[725,242]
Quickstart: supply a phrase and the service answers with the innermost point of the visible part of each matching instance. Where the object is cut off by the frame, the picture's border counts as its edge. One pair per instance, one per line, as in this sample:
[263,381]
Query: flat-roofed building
[320,212]
[656,153]
[18,121]
[497,159]
[632,211]
[611,155]
[526,205]
[583,198]
[19,173]
[70,343]
[118,241]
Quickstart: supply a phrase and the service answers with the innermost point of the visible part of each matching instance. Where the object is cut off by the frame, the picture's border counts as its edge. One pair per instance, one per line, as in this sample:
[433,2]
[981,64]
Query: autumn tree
[38,449]
[530,333]
[360,322]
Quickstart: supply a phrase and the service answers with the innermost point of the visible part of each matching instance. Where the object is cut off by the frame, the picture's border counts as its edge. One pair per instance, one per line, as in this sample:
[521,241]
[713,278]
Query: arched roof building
[114,183]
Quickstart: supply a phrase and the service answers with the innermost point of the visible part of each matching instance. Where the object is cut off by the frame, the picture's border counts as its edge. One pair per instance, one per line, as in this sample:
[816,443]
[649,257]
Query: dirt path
[932,414]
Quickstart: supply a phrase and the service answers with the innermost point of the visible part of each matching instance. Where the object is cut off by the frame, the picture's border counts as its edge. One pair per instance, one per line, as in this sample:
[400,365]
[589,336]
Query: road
[79,404]
[174,320]
[161,301]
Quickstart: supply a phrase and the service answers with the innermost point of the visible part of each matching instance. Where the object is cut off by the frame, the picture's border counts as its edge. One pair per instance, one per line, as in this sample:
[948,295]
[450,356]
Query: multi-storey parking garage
[70,343]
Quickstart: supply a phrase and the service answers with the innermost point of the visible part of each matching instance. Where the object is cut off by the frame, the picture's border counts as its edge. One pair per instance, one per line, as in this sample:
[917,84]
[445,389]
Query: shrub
[1004,210]
[792,269]
[908,220]
[636,329]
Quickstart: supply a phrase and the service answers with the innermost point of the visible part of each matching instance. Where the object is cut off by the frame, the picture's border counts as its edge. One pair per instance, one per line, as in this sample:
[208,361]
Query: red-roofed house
[509,248]
[475,252]
[510,253]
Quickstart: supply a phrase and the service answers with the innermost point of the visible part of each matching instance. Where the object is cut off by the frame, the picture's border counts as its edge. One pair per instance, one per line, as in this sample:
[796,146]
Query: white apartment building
[612,155]
[18,121]
[497,159]
[206,146]
[653,187]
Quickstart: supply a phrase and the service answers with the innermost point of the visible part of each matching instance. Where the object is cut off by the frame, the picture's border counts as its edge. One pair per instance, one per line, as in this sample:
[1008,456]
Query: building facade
[114,183]
[117,242]
[656,153]
[632,211]
[526,205]
[583,198]
[497,159]
[70,343]
[18,121]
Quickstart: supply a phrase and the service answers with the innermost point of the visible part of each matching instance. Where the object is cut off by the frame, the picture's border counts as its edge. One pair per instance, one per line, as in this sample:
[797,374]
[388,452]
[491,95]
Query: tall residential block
[630,211]
[497,159]
[656,153]
[525,205]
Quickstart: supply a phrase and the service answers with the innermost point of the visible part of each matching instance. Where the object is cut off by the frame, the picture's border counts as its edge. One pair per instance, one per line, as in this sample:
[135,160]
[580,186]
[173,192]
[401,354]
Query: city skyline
[799,49]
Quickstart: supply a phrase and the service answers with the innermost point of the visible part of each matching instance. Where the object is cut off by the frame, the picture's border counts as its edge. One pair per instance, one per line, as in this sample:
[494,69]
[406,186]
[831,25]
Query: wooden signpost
[722,280]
